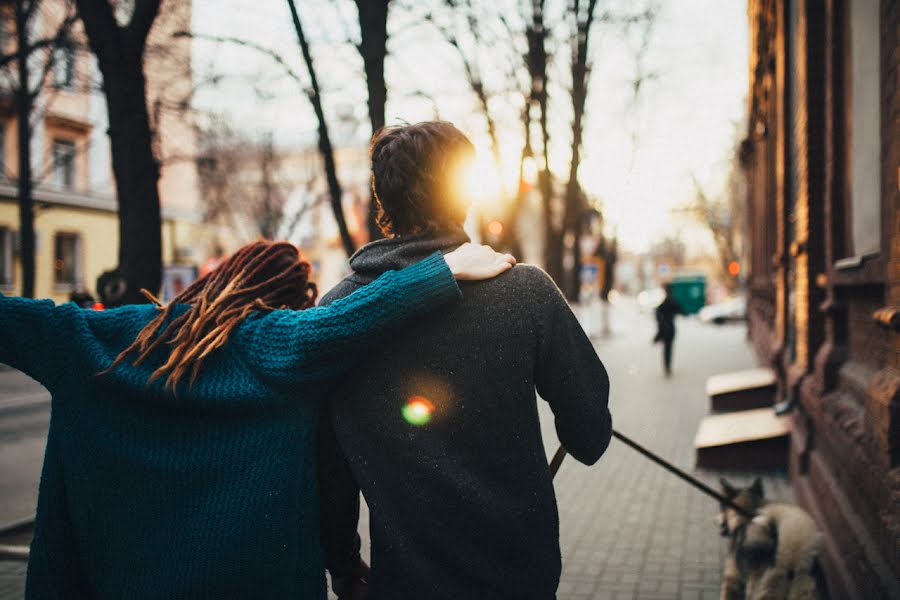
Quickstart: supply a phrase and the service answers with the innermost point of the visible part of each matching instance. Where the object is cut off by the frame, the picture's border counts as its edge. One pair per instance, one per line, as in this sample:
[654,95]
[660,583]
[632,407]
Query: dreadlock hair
[260,276]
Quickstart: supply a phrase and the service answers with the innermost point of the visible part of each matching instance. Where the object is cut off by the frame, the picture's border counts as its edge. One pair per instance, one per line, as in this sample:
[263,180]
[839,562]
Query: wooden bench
[741,390]
[750,439]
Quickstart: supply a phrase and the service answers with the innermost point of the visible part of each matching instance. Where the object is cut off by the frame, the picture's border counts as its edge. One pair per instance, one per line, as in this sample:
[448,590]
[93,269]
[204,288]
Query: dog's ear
[727,489]
[757,488]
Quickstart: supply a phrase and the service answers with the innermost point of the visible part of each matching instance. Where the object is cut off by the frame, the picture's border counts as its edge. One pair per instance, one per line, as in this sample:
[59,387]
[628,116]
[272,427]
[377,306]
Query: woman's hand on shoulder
[474,262]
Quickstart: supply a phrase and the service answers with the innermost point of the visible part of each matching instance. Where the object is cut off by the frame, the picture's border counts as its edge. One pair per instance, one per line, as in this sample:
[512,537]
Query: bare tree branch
[325,148]
[275,56]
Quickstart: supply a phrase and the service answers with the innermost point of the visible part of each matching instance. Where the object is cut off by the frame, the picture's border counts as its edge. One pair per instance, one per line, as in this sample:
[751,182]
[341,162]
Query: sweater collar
[399,252]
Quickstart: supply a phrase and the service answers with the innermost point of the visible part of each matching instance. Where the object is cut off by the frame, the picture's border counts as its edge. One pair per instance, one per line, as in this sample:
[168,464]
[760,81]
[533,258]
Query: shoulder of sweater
[532,279]
[531,273]
[125,316]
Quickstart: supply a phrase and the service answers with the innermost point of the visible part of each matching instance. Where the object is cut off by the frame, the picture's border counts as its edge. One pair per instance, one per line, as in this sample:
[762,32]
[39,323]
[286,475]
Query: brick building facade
[822,160]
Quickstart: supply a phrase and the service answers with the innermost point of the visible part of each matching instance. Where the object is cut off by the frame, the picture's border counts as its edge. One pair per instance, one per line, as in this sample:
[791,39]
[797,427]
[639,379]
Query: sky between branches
[685,121]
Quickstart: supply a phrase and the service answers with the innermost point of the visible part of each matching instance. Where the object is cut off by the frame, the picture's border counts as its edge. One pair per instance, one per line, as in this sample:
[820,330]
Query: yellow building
[76,224]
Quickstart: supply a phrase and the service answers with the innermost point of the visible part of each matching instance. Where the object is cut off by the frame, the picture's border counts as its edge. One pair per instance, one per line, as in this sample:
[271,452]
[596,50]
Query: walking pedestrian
[180,457]
[665,322]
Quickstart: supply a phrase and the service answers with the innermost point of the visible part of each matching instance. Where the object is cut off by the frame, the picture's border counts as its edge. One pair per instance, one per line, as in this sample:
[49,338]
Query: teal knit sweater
[212,494]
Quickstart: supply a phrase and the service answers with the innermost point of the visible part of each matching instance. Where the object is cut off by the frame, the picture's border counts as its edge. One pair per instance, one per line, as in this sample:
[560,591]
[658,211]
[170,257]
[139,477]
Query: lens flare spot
[417,411]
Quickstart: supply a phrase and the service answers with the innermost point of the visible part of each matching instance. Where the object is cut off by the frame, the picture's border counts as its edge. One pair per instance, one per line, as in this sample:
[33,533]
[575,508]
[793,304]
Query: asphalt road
[24,417]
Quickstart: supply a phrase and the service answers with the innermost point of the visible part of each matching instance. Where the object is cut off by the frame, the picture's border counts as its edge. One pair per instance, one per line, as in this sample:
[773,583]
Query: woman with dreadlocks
[179,460]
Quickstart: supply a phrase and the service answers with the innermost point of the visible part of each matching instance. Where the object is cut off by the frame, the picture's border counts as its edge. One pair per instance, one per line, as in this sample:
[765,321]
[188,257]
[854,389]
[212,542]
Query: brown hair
[413,171]
[262,275]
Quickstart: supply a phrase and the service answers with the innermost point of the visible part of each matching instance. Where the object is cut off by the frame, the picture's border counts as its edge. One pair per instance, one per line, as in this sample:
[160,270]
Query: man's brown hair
[415,170]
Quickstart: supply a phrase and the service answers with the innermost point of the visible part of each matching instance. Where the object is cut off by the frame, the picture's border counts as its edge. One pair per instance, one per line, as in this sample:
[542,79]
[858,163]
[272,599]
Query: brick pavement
[628,529]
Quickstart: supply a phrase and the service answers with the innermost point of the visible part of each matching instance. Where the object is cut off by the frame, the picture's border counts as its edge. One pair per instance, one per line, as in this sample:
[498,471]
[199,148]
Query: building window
[67,264]
[6,257]
[864,206]
[64,163]
[64,67]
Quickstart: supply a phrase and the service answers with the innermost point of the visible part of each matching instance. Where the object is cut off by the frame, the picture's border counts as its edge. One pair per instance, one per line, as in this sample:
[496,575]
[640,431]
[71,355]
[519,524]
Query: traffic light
[734,268]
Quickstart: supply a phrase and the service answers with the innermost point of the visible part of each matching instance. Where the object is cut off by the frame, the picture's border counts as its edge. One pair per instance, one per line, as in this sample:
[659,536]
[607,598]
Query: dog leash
[560,454]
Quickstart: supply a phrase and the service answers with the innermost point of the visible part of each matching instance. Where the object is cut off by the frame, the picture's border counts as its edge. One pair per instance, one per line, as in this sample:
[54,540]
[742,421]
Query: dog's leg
[768,584]
[732,582]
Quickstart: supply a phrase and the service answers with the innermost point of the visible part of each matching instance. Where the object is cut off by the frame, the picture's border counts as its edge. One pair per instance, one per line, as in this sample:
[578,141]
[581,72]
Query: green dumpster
[690,292]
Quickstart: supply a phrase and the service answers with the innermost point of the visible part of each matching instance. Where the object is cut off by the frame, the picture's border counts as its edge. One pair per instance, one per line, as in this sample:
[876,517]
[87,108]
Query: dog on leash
[774,555]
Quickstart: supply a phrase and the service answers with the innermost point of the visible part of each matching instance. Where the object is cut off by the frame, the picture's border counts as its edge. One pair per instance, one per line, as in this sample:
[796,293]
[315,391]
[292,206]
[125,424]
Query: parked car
[734,309]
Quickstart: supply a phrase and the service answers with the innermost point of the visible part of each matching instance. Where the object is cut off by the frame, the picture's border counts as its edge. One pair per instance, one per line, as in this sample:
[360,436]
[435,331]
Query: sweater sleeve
[26,327]
[570,377]
[287,347]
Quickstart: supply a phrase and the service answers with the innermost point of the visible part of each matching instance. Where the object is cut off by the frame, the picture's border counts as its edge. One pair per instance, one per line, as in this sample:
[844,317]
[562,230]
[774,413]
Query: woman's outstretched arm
[293,346]
[26,343]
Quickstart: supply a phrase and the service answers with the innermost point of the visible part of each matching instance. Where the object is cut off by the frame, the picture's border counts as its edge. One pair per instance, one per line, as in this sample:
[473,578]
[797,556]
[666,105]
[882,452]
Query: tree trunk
[24,101]
[137,175]
[373,15]
[512,240]
[325,149]
[574,203]
[120,55]
[537,68]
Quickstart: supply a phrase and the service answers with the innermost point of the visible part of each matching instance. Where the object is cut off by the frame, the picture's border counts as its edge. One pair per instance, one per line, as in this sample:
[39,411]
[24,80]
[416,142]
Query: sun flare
[480,182]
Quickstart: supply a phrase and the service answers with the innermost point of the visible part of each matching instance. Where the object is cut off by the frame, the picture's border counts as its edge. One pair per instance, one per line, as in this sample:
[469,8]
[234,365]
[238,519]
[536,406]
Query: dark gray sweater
[463,505]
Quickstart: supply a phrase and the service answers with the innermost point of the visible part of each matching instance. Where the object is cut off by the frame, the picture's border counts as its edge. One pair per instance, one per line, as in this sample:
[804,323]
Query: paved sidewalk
[629,529]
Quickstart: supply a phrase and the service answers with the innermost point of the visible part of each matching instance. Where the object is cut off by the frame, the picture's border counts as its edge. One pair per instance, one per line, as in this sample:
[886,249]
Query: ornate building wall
[824,306]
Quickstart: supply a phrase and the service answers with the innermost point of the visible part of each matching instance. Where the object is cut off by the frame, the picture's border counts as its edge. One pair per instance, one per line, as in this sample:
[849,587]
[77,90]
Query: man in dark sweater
[439,427]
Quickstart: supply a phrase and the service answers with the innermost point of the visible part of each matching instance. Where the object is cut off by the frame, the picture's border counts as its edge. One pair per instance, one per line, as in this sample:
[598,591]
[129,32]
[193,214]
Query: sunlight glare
[529,170]
[480,182]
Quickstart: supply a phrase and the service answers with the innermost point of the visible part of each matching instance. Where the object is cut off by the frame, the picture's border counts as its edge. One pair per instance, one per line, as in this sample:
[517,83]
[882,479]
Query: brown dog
[772,556]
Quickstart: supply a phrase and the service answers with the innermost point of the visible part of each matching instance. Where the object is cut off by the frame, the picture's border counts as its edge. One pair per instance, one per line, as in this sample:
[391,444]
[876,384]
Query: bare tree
[721,216]
[325,149]
[536,61]
[583,15]
[119,49]
[242,182]
[372,47]
[468,56]
[27,85]
[313,94]
[575,205]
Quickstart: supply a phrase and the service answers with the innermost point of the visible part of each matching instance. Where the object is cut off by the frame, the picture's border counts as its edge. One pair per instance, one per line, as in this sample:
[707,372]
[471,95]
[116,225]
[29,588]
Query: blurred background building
[821,158]
[76,225]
